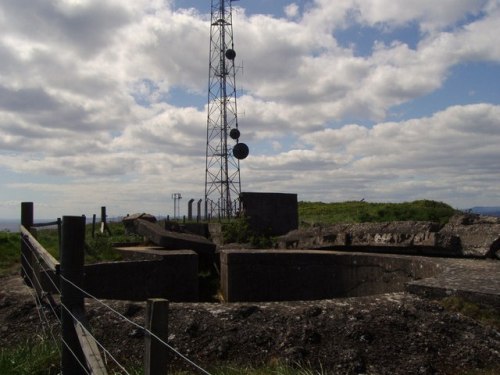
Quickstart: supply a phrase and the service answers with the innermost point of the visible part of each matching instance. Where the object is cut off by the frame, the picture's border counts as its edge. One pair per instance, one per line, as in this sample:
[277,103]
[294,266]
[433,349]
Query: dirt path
[394,333]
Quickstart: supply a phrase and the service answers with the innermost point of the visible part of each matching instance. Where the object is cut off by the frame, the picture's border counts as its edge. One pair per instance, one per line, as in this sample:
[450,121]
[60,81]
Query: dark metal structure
[223,151]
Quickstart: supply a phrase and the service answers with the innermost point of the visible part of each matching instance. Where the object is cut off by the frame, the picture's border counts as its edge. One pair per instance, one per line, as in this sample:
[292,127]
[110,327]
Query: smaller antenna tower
[177,197]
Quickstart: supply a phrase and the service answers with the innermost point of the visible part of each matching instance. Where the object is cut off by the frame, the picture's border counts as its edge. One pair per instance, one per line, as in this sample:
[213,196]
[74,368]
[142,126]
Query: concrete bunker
[360,269]
[287,275]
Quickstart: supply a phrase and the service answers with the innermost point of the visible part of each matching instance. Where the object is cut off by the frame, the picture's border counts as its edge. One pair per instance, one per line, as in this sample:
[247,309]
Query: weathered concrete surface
[464,236]
[174,277]
[141,252]
[288,275]
[479,235]
[129,220]
[476,280]
[280,275]
[173,240]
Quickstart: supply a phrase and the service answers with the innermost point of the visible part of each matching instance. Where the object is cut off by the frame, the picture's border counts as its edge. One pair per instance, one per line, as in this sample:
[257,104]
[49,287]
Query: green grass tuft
[36,357]
[10,244]
[484,314]
[277,368]
[357,212]
[239,231]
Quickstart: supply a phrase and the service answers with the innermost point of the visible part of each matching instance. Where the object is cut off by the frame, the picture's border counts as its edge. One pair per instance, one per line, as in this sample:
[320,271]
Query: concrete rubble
[466,235]
[167,239]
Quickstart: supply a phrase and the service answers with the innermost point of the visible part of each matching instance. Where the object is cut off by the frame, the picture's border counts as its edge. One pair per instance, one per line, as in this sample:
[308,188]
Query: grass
[99,247]
[9,251]
[277,368]
[492,371]
[482,314]
[357,211]
[39,356]
[272,369]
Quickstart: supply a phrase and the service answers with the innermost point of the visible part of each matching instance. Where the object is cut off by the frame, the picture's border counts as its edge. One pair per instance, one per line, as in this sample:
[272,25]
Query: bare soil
[395,333]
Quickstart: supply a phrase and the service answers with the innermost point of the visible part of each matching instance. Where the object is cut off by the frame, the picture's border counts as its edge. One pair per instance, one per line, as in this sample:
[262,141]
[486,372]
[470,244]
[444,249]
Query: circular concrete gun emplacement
[292,275]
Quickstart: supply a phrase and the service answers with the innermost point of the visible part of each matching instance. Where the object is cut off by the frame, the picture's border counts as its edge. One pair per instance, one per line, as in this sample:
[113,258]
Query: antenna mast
[222,173]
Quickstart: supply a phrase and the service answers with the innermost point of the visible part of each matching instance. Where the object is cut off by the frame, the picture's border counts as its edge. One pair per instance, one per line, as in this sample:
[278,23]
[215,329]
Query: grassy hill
[357,212]
[99,247]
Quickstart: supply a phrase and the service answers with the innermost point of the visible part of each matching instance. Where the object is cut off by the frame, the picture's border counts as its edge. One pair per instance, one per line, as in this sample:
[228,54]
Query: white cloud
[451,156]
[456,145]
[85,89]
[430,15]
[292,10]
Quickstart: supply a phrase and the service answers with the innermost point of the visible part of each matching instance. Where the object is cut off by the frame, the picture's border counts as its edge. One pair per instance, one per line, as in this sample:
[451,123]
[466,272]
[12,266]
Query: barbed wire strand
[73,316]
[56,287]
[138,326]
[84,368]
[38,298]
[46,272]
[45,318]
[124,318]
[97,342]
[39,283]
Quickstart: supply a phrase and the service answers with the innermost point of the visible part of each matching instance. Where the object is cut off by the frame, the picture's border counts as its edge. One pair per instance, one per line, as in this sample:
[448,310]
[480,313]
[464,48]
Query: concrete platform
[288,275]
[473,279]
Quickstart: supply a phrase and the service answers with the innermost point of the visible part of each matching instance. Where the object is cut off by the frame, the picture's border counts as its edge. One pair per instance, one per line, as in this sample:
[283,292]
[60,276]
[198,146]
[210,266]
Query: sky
[103,102]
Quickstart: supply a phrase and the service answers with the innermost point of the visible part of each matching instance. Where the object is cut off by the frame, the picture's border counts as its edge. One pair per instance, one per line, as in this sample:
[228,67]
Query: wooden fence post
[59,233]
[103,218]
[104,223]
[26,261]
[72,260]
[156,353]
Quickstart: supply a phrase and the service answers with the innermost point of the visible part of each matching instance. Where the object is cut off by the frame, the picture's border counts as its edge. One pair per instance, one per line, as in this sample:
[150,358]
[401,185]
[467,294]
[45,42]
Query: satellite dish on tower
[234,134]
[240,151]
[230,54]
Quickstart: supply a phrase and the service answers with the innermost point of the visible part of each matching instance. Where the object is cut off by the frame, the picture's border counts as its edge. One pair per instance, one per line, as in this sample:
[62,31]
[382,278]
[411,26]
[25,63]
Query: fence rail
[49,261]
[81,351]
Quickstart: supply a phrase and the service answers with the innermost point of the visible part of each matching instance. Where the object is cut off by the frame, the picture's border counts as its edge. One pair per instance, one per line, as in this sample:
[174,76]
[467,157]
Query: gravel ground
[395,333]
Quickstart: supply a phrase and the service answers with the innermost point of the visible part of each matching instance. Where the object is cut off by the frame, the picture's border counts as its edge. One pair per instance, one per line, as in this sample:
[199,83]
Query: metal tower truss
[222,176]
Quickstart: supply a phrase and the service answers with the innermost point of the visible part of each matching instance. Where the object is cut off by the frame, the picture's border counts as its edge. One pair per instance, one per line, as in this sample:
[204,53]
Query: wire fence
[38,274]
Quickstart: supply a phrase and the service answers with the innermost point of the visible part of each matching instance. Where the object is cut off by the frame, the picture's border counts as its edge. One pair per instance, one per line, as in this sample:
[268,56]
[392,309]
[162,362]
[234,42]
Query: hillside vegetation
[359,211]
[99,247]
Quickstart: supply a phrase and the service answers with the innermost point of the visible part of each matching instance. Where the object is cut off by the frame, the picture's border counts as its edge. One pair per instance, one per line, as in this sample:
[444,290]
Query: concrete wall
[287,275]
[175,277]
[272,213]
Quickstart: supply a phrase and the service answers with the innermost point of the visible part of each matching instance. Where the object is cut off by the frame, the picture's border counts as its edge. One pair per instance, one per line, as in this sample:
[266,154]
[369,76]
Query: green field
[358,212]
[99,247]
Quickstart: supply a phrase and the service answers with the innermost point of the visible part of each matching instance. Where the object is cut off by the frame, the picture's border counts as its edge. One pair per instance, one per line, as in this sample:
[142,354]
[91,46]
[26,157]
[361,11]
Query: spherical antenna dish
[230,54]
[234,134]
[240,151]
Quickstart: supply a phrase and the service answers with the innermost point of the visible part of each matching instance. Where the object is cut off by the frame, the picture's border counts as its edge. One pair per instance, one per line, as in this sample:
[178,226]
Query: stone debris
[466,235]
[172,240]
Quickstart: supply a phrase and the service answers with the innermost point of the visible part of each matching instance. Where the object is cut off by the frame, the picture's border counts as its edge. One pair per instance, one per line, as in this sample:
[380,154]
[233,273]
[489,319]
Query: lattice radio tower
[222,174]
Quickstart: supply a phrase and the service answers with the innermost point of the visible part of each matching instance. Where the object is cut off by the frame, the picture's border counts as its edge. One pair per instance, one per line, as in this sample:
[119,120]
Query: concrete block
[271,213]
[173,240]
[175,278]
[287,275]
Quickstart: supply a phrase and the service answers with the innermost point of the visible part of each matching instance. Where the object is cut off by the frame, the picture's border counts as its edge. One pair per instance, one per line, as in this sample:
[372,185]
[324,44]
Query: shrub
[239,231]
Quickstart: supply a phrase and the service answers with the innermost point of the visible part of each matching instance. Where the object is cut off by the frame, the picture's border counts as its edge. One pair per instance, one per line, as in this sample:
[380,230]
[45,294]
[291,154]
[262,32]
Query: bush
[239,231]
[38,356]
